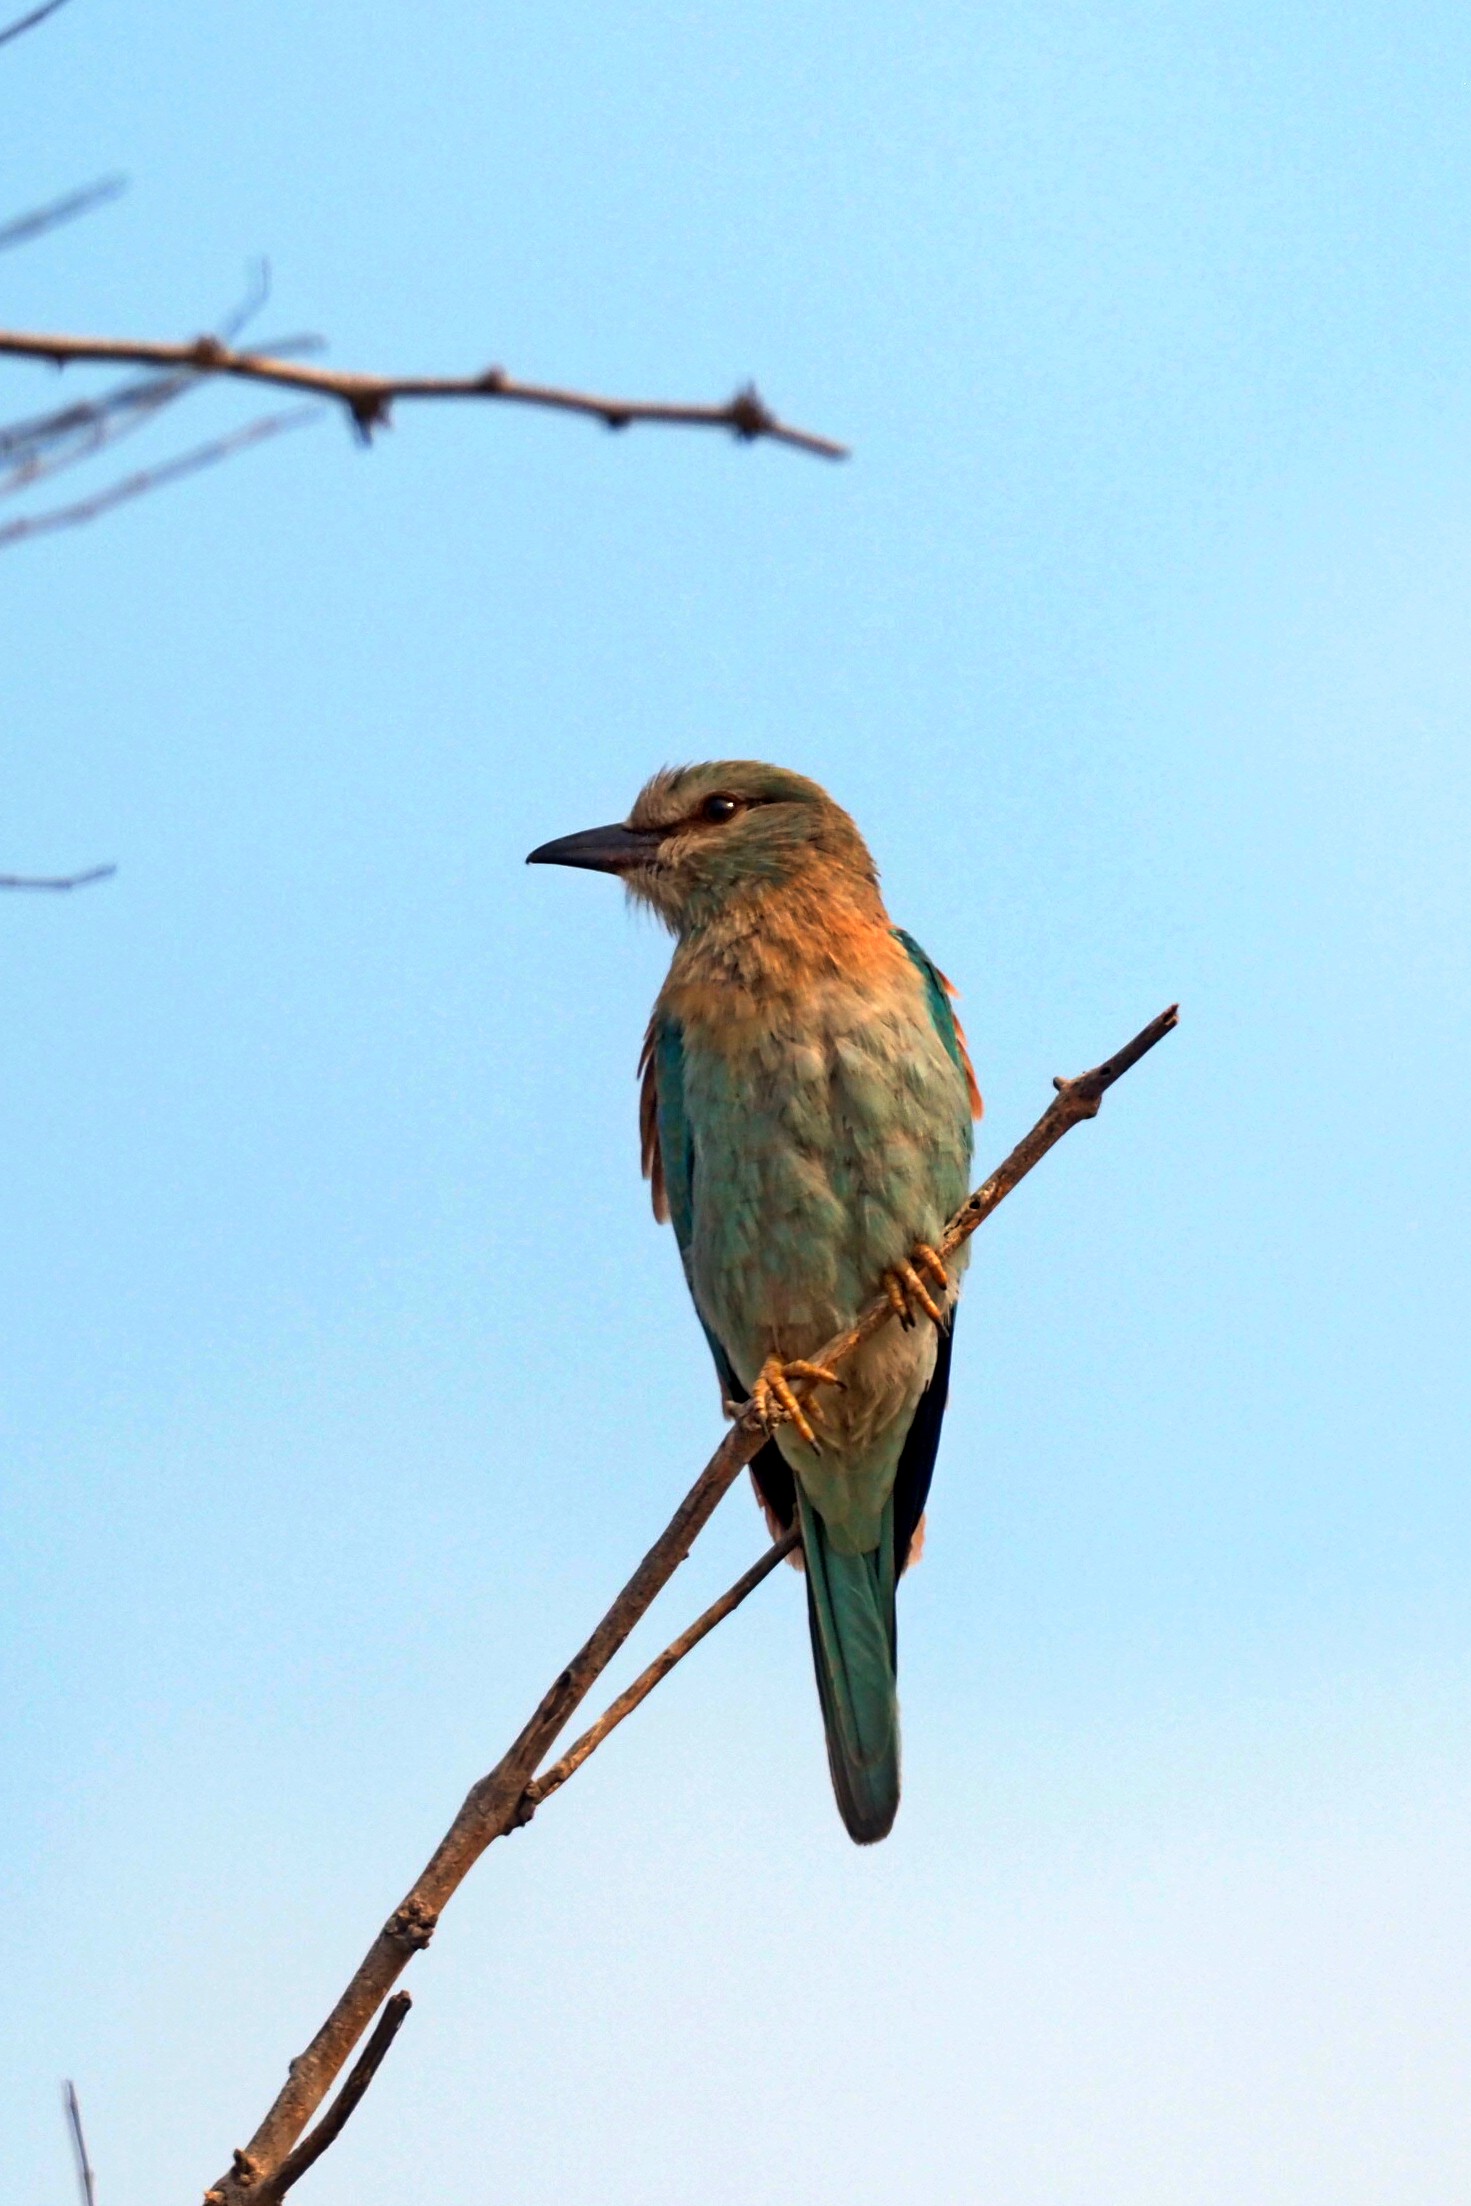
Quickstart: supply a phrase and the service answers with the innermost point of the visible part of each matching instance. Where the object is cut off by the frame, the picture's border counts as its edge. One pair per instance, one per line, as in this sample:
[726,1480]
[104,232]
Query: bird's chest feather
[829,1131]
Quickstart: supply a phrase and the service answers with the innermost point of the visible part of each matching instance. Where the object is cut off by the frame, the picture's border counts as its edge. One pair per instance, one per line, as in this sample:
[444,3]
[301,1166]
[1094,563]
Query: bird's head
[702,840]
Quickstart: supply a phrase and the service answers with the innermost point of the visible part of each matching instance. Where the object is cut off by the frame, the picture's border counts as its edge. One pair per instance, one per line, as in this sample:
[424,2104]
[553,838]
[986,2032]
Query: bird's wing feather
[941,995]
[921,1442]
[669,1158]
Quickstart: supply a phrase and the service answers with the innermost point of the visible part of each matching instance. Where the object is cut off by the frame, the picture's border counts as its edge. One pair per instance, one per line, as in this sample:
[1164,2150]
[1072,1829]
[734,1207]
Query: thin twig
[29,22]
[86,2181]
[343,2107]
[493,1806]
[79,433]
[56,880]
[24,227]
[24,442]
[552,1780]
[368,398]
[154,478]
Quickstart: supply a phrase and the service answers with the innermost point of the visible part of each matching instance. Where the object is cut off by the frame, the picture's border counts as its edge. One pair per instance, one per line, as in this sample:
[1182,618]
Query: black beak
[599,849]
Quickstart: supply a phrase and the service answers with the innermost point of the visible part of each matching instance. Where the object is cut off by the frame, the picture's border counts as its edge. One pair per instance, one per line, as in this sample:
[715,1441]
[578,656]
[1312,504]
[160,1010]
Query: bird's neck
[775,943]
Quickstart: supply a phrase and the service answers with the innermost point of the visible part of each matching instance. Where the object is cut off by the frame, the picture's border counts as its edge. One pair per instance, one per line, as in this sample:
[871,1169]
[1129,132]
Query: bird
[806,1112]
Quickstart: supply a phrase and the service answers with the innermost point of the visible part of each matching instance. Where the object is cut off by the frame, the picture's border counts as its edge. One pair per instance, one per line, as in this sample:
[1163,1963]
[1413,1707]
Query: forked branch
[343,2107]
[541,1788]
[504,1798]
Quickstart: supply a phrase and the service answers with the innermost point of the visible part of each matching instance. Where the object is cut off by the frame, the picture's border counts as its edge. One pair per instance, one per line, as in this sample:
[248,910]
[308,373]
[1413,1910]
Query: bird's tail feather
[850,1608]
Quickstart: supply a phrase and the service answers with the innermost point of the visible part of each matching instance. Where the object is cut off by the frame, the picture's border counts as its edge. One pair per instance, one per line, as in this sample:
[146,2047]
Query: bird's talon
[817,1372]
[904,1286]
[774,1401]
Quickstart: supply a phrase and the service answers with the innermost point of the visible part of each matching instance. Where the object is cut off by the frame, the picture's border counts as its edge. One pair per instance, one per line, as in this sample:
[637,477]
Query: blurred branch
[31,450]
[154,478]
[86,2182]
[369,398]
[24,227]
[498,1802]
[47,444]
[58,880]
[29,22]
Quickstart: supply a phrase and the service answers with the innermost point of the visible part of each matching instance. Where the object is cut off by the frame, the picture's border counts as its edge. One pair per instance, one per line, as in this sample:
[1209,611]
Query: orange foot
[774,1401]
[904,1284]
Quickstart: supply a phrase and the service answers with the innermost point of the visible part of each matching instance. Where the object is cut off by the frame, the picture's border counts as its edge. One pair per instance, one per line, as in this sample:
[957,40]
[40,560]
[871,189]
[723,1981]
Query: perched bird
[806,1117]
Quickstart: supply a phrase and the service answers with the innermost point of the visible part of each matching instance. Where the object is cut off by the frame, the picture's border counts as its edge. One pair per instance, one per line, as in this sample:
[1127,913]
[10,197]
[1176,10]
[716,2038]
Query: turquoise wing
[669,1160]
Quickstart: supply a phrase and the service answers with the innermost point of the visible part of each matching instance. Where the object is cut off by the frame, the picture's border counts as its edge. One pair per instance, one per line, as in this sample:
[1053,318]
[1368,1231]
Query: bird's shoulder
[940,994]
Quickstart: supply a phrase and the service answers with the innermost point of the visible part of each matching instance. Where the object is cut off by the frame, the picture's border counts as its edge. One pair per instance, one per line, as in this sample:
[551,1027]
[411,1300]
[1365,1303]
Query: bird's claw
[904,1284]
[775,1402]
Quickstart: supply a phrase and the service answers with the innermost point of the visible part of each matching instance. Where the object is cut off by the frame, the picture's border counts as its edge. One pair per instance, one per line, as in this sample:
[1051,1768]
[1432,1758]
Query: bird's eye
[719,808]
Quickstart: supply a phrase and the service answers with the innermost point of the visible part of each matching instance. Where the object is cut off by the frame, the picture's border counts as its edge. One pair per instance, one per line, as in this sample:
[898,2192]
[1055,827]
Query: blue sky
[345,1369]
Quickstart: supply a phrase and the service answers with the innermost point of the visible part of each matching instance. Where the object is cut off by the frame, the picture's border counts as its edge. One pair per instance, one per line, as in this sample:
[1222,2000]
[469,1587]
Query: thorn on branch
[750,416]
[369,410]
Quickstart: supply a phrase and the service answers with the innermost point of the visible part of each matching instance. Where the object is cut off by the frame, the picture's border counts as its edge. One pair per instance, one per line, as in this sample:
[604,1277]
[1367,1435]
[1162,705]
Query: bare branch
[56,880]
[86,2181]
[154,478]
[40,219]
[368,398]
[541,1788]
[495,1804]
[343,2107]
[29,22]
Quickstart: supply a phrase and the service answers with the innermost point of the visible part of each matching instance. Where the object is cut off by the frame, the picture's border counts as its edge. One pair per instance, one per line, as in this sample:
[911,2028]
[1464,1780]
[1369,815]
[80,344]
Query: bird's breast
[830,1130]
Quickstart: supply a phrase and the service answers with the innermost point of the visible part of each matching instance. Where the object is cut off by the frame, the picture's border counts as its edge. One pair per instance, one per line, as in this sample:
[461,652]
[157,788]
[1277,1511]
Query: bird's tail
[850,1608]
